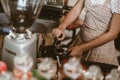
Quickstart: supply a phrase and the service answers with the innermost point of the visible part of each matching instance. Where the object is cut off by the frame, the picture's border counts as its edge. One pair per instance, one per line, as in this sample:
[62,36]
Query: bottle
[36,75]
[93,73]
[113,75]
[4,73]
[47,68]
[23,65]
[72,69]
[6,76]
[3,67]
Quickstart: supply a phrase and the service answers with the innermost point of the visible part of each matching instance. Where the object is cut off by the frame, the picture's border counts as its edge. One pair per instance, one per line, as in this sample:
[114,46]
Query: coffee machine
[20,40]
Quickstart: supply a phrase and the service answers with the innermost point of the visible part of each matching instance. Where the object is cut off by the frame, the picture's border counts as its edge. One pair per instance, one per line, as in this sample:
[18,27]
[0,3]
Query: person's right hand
[58,33]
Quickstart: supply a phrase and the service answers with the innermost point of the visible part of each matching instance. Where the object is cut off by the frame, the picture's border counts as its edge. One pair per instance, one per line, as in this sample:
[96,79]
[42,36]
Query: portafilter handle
[57,43]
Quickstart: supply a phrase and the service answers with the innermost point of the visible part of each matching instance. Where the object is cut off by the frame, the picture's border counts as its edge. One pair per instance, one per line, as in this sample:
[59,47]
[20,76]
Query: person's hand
[58,33]
[75,51]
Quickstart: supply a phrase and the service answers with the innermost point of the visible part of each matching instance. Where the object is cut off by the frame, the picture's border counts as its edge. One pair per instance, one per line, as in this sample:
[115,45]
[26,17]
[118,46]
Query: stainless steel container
[13,47]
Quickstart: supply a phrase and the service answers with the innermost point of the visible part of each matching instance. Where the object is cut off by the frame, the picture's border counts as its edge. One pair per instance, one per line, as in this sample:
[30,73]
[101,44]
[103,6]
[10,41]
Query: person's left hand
[75,51]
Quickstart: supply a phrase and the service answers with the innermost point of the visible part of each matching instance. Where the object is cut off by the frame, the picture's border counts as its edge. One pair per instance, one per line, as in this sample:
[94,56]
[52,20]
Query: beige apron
[97,21]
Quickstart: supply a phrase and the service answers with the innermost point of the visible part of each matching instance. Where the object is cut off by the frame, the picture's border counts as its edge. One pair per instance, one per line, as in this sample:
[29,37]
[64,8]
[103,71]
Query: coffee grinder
[20,40]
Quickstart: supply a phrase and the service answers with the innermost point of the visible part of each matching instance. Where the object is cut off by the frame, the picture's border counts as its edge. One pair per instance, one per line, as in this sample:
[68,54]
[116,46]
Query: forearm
[108,36]
[72,15]
[79,49]
[98,41]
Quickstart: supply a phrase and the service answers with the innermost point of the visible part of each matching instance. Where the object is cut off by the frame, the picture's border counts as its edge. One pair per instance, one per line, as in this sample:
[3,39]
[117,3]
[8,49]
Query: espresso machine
[20,40]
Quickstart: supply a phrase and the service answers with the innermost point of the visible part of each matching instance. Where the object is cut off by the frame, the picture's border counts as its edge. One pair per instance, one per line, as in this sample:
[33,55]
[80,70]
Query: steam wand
[57,45]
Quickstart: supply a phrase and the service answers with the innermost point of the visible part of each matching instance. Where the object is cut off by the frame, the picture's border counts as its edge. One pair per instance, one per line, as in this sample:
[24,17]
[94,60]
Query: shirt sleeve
[115,6]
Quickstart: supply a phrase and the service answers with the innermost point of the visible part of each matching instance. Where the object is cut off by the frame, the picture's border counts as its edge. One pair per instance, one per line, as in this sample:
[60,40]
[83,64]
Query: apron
[97,22]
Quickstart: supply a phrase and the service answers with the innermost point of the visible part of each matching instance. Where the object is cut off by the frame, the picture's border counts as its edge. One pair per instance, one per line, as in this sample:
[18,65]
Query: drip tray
[43,26]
